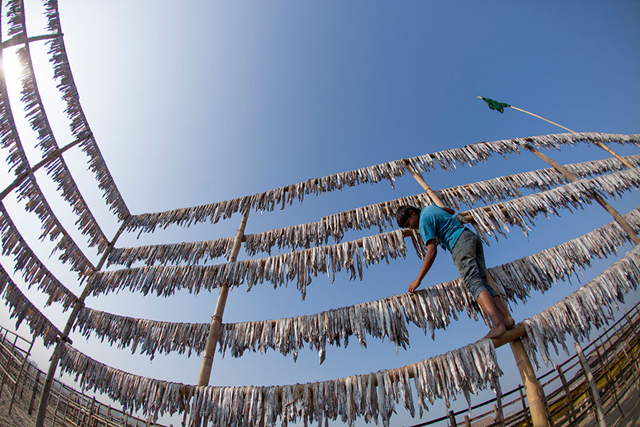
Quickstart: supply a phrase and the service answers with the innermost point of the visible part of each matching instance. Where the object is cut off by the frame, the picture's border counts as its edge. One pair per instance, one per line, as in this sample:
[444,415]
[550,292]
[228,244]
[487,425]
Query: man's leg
[498,302]
[507,320]
[486,303]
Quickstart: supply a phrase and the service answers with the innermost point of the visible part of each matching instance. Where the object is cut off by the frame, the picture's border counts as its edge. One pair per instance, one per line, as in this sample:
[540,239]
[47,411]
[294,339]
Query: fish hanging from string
[378,215]
[431,308]
[468,155]
[371,396]
[589,307]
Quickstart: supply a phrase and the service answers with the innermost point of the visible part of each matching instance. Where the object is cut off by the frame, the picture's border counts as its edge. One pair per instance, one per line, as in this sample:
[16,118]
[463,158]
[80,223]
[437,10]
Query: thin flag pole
[599,144]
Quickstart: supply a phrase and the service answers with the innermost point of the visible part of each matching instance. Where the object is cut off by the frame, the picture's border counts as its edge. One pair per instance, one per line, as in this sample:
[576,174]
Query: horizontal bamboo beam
[21,39]
[49,158]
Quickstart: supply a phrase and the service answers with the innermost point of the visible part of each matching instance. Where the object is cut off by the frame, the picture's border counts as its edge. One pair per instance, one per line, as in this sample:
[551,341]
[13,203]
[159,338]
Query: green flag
[495,105]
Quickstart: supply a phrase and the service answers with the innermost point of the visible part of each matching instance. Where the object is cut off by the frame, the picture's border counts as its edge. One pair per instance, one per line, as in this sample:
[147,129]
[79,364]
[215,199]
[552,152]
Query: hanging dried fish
[56,169]
[32,269]
[591,306]
[22,309]
[78,123]
[369,396]
[430,308]
[468,155]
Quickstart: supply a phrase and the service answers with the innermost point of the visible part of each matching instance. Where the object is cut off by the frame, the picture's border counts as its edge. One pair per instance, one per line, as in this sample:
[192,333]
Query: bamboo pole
[598,144]
[567,392]
[606,367]
[216,320]
[592,384]
[48,159]
[533,388]
[571,177]
[24,362]
[524,408]
[22,39]
[55,357]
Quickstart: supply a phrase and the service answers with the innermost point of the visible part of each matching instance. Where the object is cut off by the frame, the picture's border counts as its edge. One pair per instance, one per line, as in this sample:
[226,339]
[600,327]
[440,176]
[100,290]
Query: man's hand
[414,285]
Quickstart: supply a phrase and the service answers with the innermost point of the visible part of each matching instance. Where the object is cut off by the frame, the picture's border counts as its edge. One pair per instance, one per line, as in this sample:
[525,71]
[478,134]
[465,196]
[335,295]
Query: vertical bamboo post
[216,320]
[524,408]
[592,384]
[9,359]
[55,412]
[467,421]
[33,393]
[498,410]
[606,367]
[24,362]
[452,419]
[623,344]
[567,392]
[533,387]
[55,357]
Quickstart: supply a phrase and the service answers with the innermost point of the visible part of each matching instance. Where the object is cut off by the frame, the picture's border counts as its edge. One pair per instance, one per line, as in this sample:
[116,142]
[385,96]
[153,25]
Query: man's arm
[427,262]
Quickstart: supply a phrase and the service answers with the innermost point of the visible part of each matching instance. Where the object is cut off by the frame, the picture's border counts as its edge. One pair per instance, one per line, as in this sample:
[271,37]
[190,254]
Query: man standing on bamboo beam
[438,225]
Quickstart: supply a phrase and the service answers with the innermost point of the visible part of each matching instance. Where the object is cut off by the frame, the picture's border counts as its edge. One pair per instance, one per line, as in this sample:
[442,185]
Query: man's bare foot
[496,331]
[509,323]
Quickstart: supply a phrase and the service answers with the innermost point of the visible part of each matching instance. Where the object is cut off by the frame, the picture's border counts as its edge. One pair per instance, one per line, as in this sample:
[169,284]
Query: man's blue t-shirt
[436,223]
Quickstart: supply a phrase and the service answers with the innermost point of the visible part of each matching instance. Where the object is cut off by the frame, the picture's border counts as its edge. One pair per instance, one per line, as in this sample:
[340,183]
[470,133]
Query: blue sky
[198,102]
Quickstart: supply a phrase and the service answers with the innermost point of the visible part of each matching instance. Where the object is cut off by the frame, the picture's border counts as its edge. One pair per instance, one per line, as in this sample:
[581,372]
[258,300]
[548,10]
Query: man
[438,225]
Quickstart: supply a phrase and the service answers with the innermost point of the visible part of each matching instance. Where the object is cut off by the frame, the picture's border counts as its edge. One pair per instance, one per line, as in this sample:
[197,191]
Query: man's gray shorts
[468,256]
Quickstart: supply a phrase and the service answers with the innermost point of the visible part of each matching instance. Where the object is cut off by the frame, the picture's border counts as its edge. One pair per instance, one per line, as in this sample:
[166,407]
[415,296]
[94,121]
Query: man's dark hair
[403,213]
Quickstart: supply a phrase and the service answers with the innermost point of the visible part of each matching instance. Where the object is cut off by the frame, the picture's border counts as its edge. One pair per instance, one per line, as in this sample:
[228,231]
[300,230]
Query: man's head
[408,217]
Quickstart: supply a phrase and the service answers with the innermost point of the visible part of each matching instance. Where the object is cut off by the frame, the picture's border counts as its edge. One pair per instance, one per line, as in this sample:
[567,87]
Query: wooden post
[467,421]
[216,320]
[498,410]
[33,393]
[9,360]
[452,419]
[623,344]
[594,388]
[567,392]
[614,213]
[606,367]
[55,357]
[90,415]
[24,362]
[55,412]
[533,388]
[524,407]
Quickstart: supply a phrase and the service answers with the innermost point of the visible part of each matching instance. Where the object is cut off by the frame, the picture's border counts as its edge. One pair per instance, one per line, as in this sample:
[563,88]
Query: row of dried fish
[431,308]
[78,123]
[22,309]
[26,262]
[280,269]
[277,269]
[447,159]
[372,397]
[380,215]
[56,169]
[587,308]
[496,219]
[69,251]
[30,191]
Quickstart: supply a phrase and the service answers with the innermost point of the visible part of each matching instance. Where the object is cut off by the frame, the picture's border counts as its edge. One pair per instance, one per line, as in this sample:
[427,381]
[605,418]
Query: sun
[11,66]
